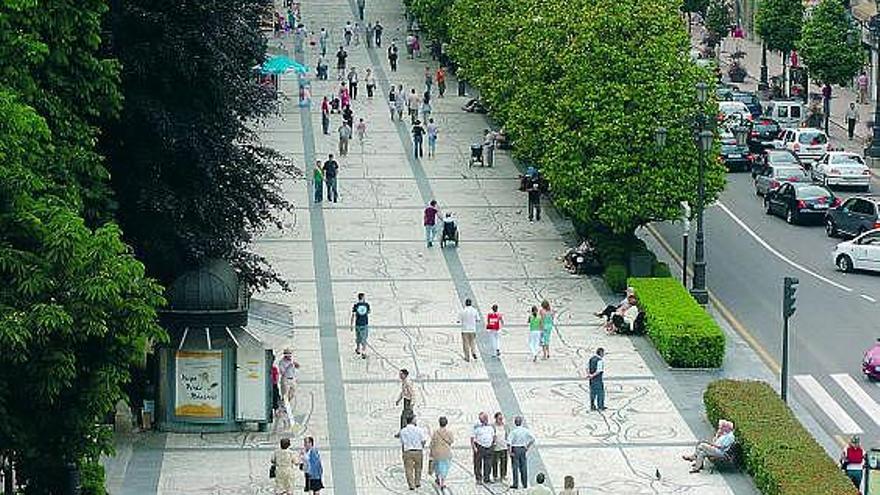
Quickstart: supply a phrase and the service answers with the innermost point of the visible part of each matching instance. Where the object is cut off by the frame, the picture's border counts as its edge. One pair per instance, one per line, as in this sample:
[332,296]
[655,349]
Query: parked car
[750,100]
[773,176]
[861,253]
[774,156]
[735,157]
[842,168]
[871,362]
[808,143]
[764,130]
[789,113]
[854,217]
[736,111]
[798,202]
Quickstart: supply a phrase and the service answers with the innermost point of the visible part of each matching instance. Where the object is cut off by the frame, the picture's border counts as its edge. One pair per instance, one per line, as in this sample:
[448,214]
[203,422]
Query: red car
[871,363]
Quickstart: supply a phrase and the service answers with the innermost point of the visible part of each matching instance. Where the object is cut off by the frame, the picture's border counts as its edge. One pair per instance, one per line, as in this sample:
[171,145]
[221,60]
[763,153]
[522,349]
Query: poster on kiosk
[872,472]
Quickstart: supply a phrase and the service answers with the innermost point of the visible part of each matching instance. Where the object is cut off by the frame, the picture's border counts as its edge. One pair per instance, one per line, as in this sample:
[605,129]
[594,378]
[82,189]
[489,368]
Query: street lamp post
[704,143]
[873,151]
[764,83]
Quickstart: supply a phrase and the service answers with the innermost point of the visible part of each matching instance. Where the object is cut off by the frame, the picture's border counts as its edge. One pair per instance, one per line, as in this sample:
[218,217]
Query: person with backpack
[360,314]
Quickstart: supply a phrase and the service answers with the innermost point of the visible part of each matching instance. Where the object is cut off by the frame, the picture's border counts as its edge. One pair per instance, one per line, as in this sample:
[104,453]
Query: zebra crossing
[849,403]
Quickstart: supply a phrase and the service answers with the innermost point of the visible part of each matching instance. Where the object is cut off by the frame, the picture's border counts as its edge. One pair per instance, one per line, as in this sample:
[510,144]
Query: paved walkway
[372,241]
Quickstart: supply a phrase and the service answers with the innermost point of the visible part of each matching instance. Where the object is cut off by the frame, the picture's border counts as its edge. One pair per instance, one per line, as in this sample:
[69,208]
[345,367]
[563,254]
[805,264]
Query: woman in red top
[494,322]
[851,461]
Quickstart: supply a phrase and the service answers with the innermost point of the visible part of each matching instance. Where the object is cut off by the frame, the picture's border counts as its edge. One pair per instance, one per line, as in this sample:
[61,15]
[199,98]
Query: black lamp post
[764,83]
[873,150]
[704,144]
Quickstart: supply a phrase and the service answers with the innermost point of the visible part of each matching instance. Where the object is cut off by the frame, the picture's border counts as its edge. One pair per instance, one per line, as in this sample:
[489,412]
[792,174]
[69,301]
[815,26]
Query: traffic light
[788,299]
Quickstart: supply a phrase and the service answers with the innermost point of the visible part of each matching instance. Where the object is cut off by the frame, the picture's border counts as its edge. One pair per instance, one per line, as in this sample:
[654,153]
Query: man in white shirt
[412,439]
[482,439]
[519,441]
[469,317]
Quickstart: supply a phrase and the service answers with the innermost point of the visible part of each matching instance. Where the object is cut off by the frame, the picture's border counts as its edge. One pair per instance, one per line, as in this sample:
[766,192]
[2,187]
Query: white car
[841,168]
[861,253]
[807,143]
[735,111]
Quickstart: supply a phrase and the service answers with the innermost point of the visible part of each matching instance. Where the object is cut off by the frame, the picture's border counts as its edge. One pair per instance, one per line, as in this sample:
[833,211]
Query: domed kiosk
[214,373]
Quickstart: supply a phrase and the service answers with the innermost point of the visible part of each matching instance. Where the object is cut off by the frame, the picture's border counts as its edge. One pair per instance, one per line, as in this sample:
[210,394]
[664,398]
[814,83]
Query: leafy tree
[718,19]
[695,6]
[830,44]
[433,16]
[779,22]
[190,176]
[75,311]
[581,88]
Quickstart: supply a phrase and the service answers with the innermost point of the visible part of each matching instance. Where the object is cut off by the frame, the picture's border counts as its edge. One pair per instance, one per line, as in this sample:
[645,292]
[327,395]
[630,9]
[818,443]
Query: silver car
[772,176]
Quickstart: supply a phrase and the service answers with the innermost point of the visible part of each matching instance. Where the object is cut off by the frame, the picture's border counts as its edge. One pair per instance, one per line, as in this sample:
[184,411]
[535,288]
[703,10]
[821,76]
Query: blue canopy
[279,64]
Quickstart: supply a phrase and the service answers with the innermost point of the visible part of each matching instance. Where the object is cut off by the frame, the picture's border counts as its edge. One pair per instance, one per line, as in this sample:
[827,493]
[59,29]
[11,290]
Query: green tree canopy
[718,20]
[190,176]
[695,6]
[779,22]
[581,87]
[830,44]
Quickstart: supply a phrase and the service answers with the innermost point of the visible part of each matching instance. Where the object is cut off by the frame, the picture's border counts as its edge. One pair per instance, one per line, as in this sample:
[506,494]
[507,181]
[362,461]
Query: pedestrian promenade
[372,241]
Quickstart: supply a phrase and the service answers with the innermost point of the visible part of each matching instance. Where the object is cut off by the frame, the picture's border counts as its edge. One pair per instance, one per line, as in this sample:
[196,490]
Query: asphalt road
[838,314]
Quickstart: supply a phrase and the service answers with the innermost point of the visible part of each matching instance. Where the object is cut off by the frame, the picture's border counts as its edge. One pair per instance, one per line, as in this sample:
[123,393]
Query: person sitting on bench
[611,308]
[717,449]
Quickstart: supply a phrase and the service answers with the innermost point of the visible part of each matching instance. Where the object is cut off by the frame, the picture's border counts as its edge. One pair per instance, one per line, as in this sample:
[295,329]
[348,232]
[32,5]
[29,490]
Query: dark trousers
[332,193]
[325,123]
[319,191]
[406,412]
[378,39]
[370,90]
[354,90]
[597,393]
[361,11]
[608,311]
[499,464]
[520,467]
[483,464]
[534,208]
[850,127]
[393,62]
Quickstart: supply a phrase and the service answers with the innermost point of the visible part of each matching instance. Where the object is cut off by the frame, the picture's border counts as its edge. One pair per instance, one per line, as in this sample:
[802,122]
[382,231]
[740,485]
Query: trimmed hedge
[615,277]
[682,331]
[777,450]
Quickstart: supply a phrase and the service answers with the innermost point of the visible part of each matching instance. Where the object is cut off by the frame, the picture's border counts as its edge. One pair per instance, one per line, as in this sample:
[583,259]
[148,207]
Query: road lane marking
[779,255]
[828,405]
[858,395]
[867,298]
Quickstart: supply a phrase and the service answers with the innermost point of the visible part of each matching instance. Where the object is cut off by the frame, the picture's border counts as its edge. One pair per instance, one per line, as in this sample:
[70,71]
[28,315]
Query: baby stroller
[476,154]
[450,231]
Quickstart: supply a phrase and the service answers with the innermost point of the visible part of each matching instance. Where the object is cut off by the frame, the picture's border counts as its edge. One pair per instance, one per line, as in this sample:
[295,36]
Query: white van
[789,113]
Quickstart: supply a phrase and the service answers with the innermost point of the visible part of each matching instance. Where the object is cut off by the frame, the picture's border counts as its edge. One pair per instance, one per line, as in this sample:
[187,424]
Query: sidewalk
[372,241]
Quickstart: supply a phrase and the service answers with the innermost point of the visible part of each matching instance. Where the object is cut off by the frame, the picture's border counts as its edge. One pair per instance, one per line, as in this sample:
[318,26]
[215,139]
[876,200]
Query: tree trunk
[786,84]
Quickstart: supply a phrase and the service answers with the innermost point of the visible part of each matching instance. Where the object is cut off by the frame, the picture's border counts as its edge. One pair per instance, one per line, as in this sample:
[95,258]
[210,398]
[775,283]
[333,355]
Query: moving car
[735,157]
[798,202]
[842,168]
[854,217]
[861,253]
[750,100]
[808,144]
[789,113]
[773,176]
[764,131]
[871,362]
[735,111]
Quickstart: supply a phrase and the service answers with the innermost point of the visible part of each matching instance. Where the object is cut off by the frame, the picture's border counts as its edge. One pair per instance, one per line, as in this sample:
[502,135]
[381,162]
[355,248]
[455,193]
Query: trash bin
[641,264]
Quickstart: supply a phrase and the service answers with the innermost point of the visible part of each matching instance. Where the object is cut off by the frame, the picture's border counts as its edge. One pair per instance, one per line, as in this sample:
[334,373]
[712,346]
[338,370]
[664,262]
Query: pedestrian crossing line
[828,405]
[858,395]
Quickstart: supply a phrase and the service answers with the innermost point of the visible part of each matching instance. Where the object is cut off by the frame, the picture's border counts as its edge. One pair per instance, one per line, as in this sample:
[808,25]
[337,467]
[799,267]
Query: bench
[730,459]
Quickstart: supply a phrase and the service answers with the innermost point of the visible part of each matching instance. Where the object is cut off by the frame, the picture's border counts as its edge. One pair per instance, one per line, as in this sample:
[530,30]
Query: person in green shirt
[546,314]
[534,333]
[319,182]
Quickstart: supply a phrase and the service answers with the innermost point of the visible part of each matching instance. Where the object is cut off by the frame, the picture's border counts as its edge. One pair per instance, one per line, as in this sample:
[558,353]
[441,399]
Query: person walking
[441,81]
[358,29]
[440,454]
[425,108]
[353,83]
[410,41]
[360,320]
[318,181]
[499,450]
[488,147]
[862,84]
[400,103]
[469,317]
[323,36]
[407,394]
[392,102]
[430,222]
[284,460]
[534,200]
[596,375]
[852,461]
[325,116]
[418,133]
[344,137]
[431,130]
[370,34]
[370,81]
[412,104]
[412,441]
[348,33]
[287,369]
[331,168]
[546,314]
[392,55]
[312,467]
[341,55]
[519,441]
[494,322]
[361,131]
[429,78]
[379,30]
[540,488]
[534,333]
[852,118]
[360,5]
[482,438]
[568,486]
